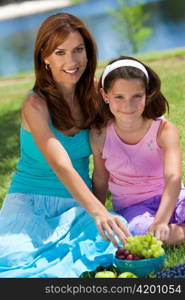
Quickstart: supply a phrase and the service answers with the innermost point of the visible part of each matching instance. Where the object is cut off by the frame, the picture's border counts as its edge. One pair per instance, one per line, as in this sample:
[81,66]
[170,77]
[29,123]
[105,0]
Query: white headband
[123,63]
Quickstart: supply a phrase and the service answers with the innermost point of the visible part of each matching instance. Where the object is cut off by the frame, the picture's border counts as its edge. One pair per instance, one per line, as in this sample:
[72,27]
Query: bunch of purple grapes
[122,253]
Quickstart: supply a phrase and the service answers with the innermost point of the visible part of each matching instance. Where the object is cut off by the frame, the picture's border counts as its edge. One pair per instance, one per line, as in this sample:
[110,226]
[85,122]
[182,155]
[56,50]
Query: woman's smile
[72,71]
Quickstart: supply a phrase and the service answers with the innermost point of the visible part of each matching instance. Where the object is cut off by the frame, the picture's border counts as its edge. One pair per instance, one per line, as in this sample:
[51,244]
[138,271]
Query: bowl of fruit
[141,255]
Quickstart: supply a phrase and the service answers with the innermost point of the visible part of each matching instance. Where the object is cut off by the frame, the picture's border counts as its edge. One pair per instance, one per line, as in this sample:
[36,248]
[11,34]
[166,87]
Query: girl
[137,155]
[46,222]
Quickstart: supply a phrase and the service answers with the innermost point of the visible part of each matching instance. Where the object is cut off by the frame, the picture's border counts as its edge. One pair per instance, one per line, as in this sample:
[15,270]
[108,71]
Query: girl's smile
[127,113]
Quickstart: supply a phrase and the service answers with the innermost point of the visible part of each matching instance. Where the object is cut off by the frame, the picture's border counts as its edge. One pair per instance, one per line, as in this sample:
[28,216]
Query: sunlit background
[17,34]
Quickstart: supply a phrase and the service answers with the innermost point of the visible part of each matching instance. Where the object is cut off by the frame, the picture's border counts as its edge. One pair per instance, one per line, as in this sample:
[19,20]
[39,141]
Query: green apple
[105,274]
[127,275]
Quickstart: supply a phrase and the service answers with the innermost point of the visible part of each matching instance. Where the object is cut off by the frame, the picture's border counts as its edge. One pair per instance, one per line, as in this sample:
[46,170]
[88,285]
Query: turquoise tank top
[34,175]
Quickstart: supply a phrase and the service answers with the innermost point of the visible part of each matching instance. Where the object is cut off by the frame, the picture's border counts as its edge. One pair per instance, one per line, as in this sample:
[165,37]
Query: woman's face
[68,61]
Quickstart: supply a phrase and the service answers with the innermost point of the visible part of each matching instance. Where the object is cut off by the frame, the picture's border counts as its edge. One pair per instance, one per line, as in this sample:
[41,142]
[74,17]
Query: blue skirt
[47,236]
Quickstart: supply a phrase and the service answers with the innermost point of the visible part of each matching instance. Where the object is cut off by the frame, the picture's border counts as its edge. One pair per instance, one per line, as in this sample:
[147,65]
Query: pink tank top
[136,171]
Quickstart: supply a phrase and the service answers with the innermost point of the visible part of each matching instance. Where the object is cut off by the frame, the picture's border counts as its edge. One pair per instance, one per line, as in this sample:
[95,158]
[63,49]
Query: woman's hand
[161,231]
[108,225]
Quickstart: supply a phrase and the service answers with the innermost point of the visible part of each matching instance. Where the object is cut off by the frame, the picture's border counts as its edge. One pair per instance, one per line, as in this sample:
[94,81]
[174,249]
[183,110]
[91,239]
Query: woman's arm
[36,117]
[169,141]
[100,174]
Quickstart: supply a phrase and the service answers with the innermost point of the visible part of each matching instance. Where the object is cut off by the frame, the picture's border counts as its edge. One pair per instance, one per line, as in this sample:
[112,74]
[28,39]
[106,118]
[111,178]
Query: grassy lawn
[170,65]
[11,97]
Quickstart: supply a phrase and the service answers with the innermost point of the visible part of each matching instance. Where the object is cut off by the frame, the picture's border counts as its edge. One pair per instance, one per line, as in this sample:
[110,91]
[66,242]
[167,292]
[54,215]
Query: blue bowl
[141,267]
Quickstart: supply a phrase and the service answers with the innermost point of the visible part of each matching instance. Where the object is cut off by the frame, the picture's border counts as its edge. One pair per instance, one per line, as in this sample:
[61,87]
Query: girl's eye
[138,96]
[60,52]
[119,97]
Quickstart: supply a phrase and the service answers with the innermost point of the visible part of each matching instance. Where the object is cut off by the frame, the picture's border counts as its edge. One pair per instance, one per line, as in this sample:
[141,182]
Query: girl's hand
[161,231]
[108,225]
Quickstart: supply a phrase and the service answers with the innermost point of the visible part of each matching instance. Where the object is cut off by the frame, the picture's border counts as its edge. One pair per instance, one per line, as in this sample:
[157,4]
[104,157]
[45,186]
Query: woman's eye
[60,53]
[80,49]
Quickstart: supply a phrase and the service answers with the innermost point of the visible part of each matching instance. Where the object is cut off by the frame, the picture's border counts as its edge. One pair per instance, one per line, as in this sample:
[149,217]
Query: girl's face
[126,98]
[68,61]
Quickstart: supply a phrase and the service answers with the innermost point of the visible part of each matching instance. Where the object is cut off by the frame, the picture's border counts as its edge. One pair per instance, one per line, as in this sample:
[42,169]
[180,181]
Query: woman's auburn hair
[51,34]
[156,103]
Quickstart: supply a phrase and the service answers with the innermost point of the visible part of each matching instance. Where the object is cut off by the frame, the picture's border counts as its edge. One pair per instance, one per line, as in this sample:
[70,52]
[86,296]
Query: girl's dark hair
[51,34]
[156,103]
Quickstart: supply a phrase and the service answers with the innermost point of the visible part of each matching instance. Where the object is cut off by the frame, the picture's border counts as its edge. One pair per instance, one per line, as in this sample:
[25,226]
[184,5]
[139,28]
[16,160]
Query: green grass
[153,56]
[20,75]
[170,65]
[11,97]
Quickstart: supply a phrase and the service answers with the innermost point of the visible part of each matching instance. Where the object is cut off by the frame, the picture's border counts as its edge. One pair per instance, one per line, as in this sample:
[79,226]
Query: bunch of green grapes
[145,246]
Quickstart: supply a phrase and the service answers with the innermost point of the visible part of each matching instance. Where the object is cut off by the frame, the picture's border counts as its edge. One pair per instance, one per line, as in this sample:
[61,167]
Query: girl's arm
[169,141]
[100,174]
[36,117]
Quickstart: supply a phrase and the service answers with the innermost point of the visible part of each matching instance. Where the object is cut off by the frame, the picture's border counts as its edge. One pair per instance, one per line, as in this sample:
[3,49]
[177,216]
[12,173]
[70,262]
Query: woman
[43,216]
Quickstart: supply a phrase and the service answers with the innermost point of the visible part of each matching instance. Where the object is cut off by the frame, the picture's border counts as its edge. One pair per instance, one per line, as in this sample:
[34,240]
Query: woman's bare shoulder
[34,101]
[33,109]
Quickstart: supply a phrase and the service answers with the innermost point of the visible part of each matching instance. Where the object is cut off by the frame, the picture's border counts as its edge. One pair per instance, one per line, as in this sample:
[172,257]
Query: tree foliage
[77,1]
[130,23]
